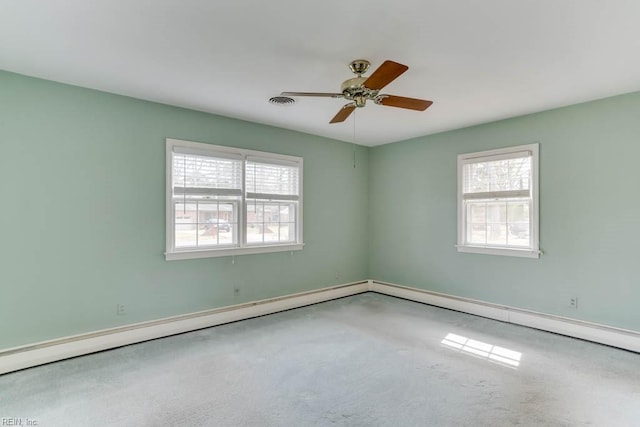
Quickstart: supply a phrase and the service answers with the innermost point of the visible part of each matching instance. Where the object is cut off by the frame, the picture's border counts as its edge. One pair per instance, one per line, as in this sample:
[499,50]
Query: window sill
[214,253]
[522,253]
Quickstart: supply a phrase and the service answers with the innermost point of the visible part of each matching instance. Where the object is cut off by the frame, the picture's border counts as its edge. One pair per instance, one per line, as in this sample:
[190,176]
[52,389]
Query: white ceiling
[479,61]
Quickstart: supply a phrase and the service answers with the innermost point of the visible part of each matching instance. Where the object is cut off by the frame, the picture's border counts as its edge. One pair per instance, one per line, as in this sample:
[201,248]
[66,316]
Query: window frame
[242,247]
[532,251]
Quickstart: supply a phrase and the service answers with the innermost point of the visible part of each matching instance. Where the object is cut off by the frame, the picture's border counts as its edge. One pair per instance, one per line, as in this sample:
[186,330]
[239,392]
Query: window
[498,202]
[228,201]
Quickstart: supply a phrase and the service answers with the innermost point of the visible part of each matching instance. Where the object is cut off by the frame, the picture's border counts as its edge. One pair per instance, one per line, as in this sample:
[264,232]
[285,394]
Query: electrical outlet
[120,310]
[573,302]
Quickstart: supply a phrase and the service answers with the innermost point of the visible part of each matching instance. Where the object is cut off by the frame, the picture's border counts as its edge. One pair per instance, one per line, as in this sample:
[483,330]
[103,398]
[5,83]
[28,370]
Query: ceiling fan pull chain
[354,139]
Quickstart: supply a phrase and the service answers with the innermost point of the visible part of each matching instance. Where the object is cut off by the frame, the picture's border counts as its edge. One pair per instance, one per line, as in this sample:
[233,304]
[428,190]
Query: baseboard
[616,337]
[17,358]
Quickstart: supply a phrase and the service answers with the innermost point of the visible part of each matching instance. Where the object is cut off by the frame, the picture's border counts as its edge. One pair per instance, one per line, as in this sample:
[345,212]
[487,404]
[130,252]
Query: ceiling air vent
[282,100]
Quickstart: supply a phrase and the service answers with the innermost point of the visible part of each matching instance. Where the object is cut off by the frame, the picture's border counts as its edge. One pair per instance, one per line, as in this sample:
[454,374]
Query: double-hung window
[229,201]
[498,202]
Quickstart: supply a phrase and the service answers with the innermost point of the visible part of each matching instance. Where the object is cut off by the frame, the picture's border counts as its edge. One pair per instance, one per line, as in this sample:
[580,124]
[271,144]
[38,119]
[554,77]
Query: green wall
[82,218]
[589,214]
[82,174]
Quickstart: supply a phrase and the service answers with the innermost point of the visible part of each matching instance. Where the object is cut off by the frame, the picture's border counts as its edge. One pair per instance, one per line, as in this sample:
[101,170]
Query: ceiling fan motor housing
[354,90]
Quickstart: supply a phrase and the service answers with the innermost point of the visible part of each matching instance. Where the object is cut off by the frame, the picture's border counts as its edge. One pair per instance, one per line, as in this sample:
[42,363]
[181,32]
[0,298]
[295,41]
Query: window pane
[186,238]
[476,223]
[254,213]
[496,234]
[486,222]
[219,223]
[186,216]
[288,211]
[271,232]
[477,234]
[255,233]
[287,231]
[254,222]
[503,223]
[186,224]
[205,223]
[518,223]
[271,222]
[271,212]
[186,213]
[497,223]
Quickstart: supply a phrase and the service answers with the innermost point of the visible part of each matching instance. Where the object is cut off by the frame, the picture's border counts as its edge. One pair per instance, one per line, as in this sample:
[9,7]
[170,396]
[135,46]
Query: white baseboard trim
[616,337]
[17,358]
[14,359]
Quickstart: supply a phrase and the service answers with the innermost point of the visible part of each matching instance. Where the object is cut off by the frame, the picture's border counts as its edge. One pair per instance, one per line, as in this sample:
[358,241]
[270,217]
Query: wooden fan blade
[402,102]
[344,112]
[320,94]
[385,74]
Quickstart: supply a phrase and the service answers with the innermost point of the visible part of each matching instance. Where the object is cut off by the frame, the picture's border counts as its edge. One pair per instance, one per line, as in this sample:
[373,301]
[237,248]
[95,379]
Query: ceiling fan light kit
[360,89]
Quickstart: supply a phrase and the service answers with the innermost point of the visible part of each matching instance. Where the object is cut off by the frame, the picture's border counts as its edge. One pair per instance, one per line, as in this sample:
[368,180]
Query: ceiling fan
[360,89]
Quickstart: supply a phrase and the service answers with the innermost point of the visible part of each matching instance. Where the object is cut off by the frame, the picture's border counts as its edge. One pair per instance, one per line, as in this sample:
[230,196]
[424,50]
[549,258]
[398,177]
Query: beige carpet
[366,360]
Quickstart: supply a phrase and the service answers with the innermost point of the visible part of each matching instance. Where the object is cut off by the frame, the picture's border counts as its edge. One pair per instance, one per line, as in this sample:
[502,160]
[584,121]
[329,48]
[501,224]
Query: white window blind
[272,181]
[507,177]
[497,205]
[197,175]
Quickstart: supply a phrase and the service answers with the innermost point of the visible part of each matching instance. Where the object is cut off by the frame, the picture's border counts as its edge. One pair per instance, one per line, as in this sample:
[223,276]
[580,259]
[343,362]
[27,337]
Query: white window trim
[244,248]
[489,155]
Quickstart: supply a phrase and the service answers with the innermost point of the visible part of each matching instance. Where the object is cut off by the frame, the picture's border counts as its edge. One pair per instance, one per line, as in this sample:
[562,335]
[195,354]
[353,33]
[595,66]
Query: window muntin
[497,201]
[231,201]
